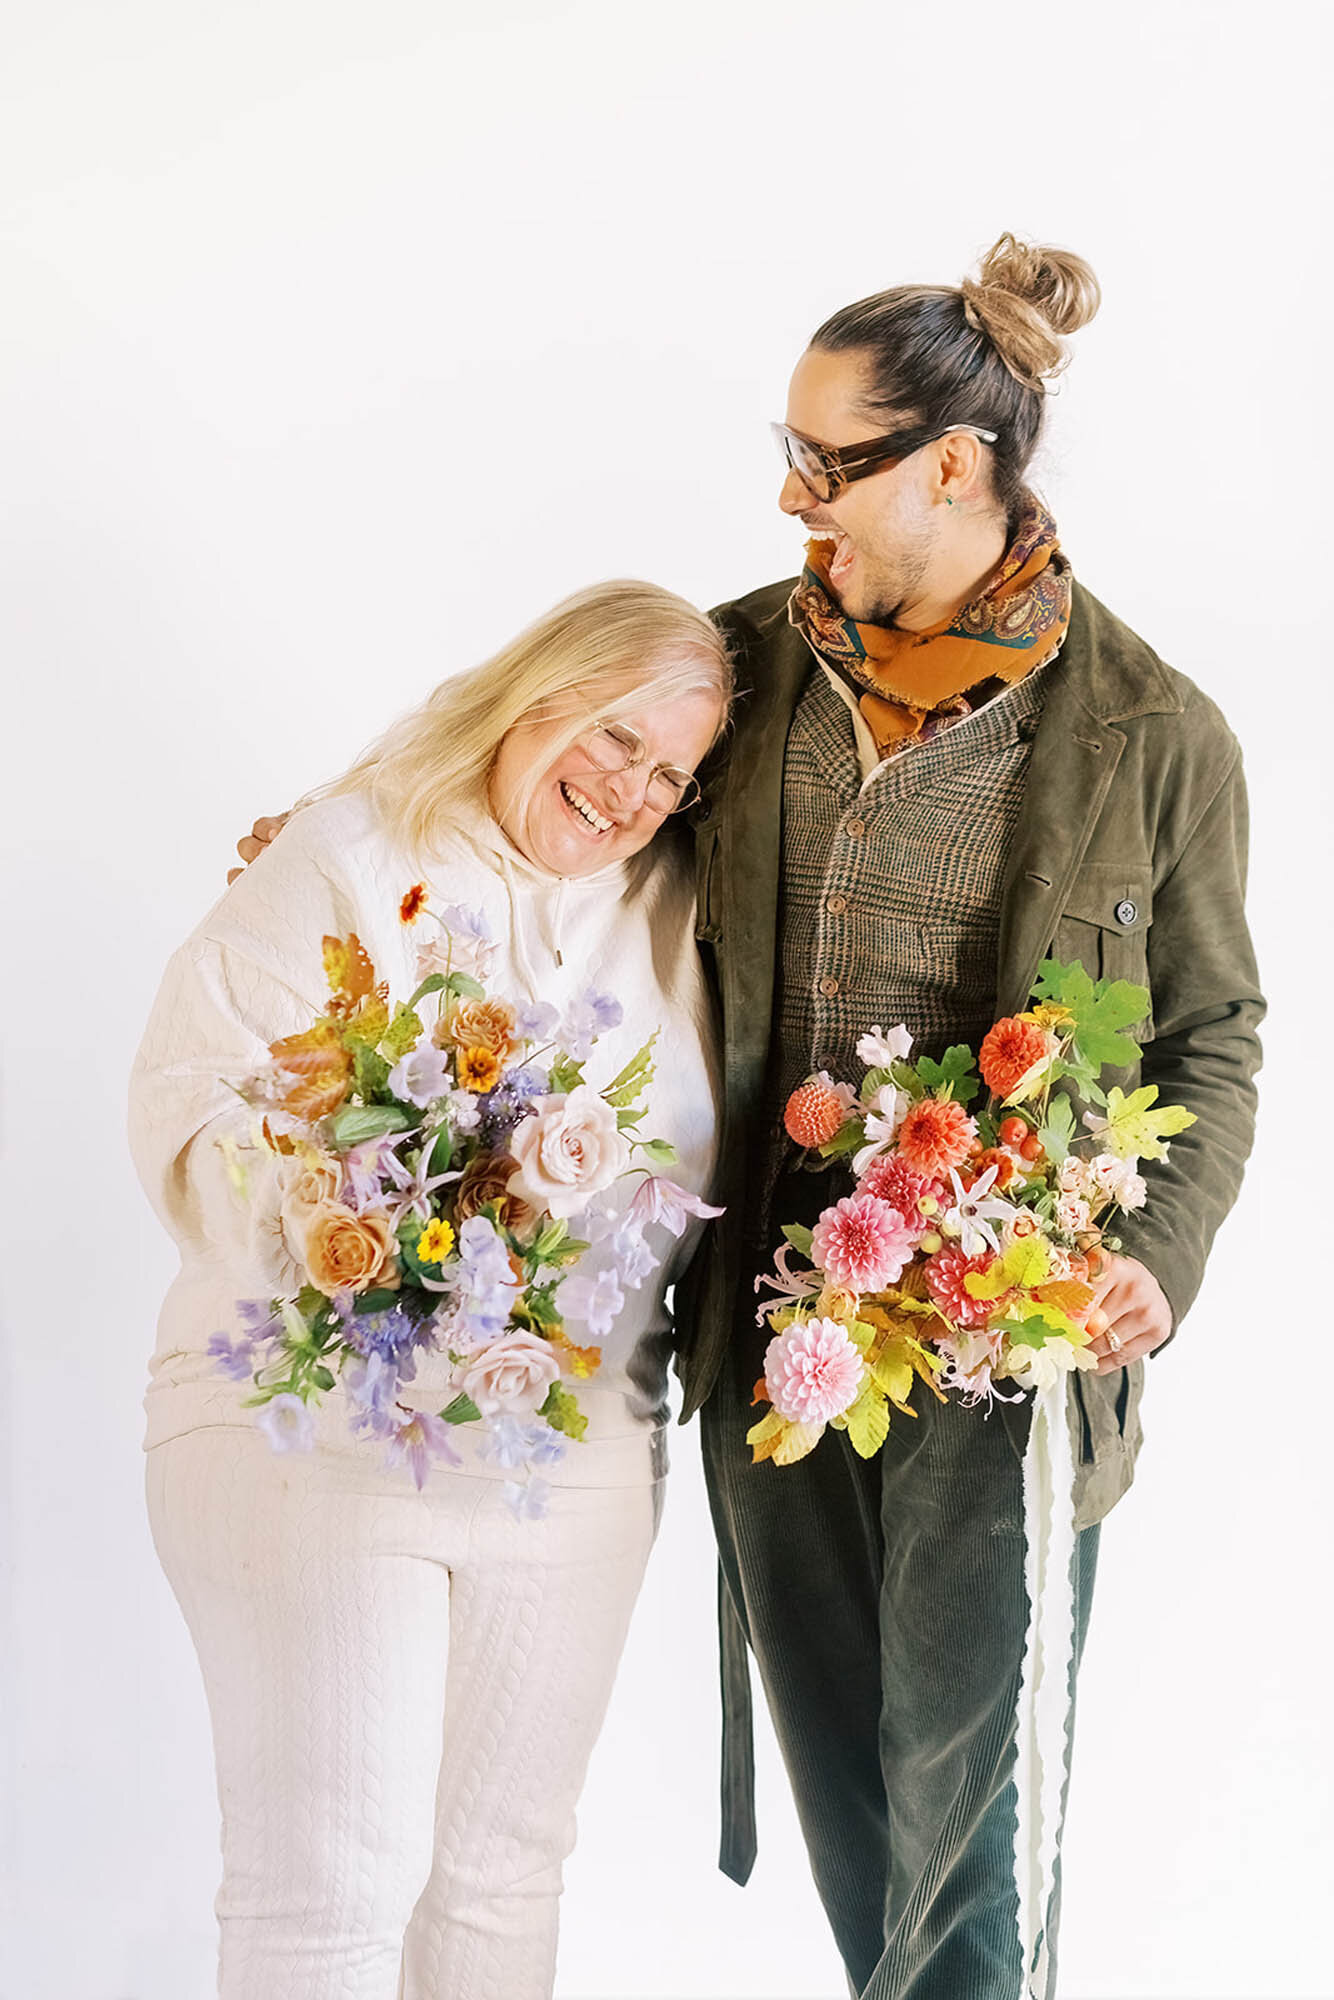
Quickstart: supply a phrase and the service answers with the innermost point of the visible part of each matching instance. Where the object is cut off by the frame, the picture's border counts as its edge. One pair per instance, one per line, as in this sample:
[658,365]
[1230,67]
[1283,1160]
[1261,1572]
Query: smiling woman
[363,1857]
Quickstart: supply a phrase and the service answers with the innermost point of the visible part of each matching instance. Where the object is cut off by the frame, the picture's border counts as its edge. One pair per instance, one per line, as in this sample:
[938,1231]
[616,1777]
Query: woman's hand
[258,838]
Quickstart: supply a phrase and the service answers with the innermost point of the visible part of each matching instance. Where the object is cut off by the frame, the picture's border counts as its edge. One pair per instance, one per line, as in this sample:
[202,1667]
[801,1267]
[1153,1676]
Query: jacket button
[828,986]
[836,905]
[855,828]
[1127,912]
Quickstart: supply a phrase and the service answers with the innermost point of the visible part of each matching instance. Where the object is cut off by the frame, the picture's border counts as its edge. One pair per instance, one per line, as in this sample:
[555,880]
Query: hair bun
[1025,297]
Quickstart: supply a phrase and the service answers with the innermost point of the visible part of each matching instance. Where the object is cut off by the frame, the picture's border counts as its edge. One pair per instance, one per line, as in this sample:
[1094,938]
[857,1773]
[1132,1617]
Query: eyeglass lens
[614,748]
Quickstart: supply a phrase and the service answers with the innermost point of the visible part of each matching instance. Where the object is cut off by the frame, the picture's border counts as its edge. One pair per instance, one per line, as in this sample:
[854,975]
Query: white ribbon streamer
[1043,1715]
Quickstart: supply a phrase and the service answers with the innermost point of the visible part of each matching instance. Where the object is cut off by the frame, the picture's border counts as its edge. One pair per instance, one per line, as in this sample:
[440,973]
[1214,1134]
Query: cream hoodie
[253,972]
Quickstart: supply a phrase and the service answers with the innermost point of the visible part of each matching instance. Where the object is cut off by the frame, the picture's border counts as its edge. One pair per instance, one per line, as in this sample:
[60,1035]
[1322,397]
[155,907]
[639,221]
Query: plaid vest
[890,899]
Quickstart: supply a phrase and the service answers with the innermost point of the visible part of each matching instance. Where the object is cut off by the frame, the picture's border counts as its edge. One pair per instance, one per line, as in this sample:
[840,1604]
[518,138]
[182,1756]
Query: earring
[948,501]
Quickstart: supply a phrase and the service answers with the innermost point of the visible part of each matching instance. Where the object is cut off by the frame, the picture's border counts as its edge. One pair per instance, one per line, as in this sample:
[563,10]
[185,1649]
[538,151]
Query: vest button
[1127,912]
[836,905]
[855,828]
[828,986]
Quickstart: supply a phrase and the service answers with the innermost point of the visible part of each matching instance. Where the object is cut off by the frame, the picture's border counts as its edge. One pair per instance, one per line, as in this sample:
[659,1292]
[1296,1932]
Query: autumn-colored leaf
[1067,1295]
[319,1066]
[347,968]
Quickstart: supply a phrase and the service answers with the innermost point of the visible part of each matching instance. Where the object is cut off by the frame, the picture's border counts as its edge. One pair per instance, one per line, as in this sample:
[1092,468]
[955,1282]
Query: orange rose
[344,1252]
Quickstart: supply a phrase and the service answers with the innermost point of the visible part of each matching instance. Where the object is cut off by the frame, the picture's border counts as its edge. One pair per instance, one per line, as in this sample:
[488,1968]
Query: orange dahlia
[935,1135]
[815,1111]
[1010,1050]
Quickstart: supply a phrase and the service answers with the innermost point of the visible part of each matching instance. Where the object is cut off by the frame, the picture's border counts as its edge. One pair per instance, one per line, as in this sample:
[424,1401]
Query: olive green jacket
[1129,856]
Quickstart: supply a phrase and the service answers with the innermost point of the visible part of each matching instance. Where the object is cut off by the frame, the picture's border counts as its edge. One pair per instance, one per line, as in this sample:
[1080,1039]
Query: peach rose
[344,1252]
[512,1376]
[569,1149]
[480,1024]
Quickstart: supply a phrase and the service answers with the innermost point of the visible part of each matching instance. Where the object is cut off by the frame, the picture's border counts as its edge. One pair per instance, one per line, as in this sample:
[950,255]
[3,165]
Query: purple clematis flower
[660,1200]
[415,1185]
[287,1424]
[234,1359]
[594,1299]
[418,1441]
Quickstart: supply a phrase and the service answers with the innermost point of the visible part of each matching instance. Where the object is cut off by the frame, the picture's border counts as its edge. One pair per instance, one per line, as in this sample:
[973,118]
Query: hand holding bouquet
[427,1173]
[964,1255]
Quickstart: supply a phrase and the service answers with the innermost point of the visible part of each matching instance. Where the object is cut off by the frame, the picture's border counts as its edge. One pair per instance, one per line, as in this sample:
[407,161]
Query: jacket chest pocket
[1104,925]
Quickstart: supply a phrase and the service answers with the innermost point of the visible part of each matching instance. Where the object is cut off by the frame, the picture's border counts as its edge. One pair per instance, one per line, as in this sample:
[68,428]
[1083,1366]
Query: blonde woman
[405,1688]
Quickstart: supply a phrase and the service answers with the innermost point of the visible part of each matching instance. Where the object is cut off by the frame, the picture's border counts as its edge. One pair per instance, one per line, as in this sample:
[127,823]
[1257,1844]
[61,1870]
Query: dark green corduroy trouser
[884,1601]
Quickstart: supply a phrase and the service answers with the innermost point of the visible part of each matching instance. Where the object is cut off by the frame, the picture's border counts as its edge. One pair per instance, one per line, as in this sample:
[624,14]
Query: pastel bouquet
[967,1253]
[427,1169]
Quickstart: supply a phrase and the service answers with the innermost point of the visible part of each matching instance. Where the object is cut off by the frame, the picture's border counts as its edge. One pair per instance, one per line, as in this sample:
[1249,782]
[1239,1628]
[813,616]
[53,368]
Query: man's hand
[258,838]
[1138,1317]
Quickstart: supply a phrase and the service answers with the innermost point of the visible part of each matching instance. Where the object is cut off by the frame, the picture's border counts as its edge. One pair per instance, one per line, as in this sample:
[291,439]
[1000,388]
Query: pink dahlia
[862,1242]
[893,1180]
[812,1371]
[945,1275]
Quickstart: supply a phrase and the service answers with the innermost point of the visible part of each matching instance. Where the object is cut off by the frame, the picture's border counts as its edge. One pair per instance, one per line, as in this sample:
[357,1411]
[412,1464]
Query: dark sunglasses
[825,469]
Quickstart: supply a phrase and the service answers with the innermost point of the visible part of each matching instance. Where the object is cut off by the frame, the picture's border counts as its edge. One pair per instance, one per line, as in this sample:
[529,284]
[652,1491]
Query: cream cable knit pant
[405,1690]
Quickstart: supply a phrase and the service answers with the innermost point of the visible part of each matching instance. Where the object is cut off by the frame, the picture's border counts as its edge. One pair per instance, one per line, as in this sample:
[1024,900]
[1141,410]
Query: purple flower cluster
[511,1100]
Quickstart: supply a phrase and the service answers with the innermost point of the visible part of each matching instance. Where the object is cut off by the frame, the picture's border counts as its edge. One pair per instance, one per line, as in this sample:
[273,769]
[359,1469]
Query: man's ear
[960,473]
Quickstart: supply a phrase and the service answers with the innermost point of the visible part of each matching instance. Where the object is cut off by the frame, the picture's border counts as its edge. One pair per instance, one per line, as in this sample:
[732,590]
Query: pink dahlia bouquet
[424,1165]
[966,1255]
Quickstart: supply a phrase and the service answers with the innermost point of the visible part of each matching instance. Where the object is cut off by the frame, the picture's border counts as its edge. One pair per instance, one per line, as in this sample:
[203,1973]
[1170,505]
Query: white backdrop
[337,341]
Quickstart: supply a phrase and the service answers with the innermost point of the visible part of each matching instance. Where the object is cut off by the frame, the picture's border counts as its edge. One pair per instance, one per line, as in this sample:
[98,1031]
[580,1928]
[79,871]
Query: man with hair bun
[949,761]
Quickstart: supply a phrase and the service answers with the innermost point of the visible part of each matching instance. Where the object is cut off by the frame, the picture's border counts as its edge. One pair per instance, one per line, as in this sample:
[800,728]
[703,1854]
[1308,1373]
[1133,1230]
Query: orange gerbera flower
[1010,1050]
[478,1069]
[413,903]
[935,1135]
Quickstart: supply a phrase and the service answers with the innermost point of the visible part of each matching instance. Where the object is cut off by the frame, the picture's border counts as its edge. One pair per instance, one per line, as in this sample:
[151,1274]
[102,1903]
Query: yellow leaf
[765,1436]
[798,1441]
[1025,1264]
[868,1422]
[1133,1130]
[1067,1294]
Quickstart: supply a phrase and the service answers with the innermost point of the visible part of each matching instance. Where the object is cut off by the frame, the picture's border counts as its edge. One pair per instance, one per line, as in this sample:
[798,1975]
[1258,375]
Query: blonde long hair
[615,643]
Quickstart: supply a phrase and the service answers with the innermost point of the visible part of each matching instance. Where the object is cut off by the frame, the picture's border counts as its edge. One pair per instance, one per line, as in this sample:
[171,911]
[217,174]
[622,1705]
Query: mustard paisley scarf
[911,684]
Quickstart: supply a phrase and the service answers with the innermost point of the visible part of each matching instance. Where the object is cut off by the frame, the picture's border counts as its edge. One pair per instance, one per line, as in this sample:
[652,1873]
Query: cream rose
[343,1252]
[569,1149]
[512,1376]
[305,1182]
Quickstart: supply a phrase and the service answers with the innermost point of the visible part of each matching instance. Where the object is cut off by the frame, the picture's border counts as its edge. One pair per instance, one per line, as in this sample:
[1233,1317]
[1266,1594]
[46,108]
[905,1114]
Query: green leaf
[799,1236]
[629,1082]
[1058,1130]
[462,1410]
[370,1072]
[847,1139]
[562,1412]
[358,1122]
[1034,1324]
[432,985]
[868,1421]
[442,1152]
[376,1302]
[402,1034]
[660,1152]
[1100,1011]
[874,1080]
[953,1076]
[465,986]
[565,1075]
[322,1378]
[627,1120]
